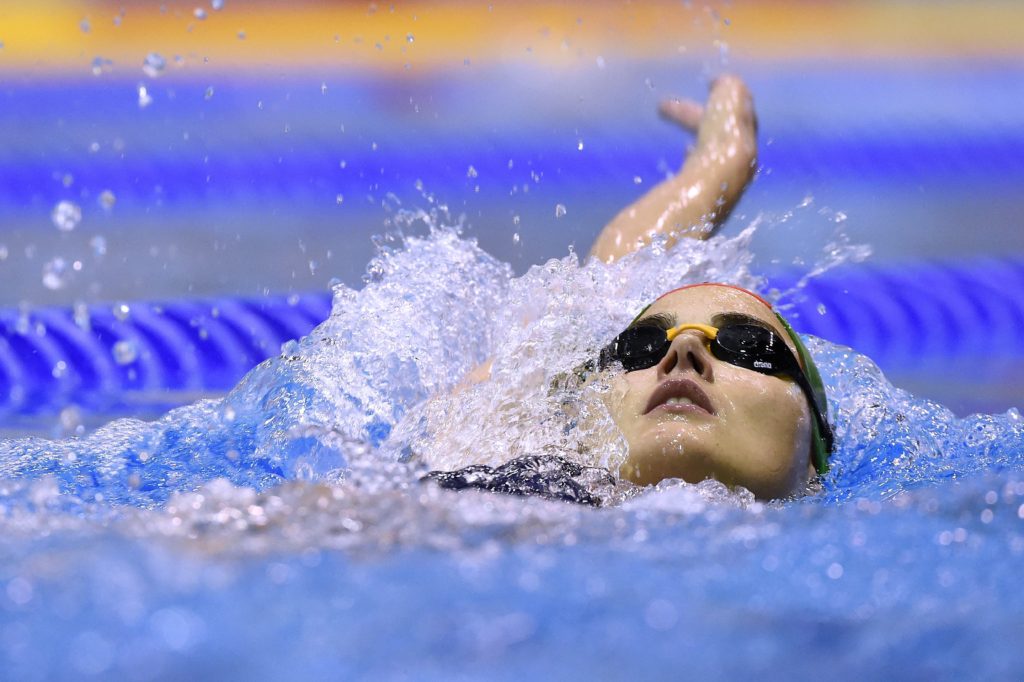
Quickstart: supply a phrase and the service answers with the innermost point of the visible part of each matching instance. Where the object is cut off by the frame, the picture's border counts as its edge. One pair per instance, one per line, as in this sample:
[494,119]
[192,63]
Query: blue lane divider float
[116,359]
[922,315]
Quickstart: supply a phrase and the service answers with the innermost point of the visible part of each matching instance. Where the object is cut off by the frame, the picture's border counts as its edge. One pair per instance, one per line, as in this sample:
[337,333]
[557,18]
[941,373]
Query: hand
[726,127]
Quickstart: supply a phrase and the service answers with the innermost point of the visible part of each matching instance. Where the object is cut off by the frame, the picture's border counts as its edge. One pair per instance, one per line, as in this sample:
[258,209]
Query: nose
[688,352]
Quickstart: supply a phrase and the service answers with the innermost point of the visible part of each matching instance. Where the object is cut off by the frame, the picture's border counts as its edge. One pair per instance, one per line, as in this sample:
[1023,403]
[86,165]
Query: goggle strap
[822,440]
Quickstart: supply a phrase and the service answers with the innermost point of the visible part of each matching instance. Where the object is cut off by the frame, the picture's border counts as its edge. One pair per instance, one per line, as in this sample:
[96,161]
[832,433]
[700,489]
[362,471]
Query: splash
[376,394]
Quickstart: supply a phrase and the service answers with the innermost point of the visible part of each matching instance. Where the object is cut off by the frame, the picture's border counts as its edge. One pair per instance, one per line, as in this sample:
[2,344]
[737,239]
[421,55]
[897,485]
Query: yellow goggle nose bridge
[707,330]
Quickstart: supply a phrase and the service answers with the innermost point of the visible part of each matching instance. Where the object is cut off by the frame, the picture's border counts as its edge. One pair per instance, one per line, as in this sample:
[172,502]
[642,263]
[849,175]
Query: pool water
[284,531]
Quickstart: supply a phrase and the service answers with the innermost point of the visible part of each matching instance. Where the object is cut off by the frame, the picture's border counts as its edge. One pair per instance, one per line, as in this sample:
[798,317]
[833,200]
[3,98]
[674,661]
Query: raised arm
[698,199]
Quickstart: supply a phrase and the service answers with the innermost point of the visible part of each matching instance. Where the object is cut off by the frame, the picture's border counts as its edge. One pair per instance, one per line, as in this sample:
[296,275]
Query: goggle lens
[637,348]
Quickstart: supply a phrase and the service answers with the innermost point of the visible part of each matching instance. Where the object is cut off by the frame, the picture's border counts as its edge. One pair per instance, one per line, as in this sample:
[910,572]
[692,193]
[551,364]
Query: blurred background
[169,151]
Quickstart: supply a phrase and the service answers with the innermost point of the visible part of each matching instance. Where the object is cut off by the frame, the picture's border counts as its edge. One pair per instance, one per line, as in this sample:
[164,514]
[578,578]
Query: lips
[680,395]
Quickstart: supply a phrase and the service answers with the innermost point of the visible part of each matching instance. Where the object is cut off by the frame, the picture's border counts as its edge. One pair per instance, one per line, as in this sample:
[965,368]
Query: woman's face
[693,416]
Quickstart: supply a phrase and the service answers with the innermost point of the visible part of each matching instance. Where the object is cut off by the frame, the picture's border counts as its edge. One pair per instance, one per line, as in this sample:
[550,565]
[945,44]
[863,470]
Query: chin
[648,468]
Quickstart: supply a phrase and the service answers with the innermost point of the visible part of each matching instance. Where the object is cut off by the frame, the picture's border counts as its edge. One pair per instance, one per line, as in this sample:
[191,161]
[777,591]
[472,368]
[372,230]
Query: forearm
[698,199]
[692,204]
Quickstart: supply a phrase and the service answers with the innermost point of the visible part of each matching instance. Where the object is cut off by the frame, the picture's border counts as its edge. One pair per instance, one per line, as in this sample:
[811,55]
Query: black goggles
[749,346]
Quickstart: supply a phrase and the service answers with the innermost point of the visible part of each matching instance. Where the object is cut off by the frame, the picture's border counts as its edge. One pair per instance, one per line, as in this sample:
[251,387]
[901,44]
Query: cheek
[624,399]
[773,409]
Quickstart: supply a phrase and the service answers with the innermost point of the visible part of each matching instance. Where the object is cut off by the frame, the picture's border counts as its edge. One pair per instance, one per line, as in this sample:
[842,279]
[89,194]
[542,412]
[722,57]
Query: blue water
[283,532]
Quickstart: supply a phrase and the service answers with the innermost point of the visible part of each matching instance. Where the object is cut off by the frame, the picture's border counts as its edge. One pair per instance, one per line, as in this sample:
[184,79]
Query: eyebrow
[659,321]
[726,319]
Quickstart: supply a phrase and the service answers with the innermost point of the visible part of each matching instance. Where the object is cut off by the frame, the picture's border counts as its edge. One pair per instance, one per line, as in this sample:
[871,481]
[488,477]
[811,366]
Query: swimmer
[716,383]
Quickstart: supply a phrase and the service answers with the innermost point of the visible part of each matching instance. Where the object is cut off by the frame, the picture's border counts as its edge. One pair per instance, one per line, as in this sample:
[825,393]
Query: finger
[683,112]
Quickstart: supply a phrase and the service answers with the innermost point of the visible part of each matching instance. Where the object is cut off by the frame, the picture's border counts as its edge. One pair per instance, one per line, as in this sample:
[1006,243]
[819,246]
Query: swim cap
[819,450]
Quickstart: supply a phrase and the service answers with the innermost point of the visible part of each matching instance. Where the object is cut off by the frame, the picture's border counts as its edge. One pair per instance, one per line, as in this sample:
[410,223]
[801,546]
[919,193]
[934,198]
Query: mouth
[680,396]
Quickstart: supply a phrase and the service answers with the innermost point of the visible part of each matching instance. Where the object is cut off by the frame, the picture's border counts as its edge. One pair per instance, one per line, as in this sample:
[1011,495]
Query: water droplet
[100,65]
[515,219]
[199,13]
[4,252]
[125,352]
[409,37]
[600,62]
[67,180]
[637,180]
[209,92]
[560,210]
[516,238]
[323,88]
[55,274]
[23,324]
[144,99]
[71,421]
[59,369]
[339,199]
[839,217]
[579,145]
[98,244]
[66,216]
[106,199]
[217,5]
[649,83]
[241,35]
[342,164]
[84,25]
[121,311]
[154,65]
[471,172]
[82,317]
[822,309]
